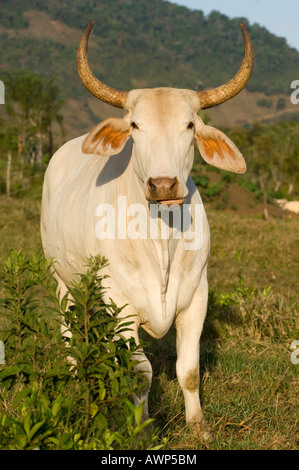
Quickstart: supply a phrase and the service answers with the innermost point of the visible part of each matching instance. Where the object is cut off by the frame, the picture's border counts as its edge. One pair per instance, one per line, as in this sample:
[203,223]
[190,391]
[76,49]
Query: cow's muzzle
[164,190]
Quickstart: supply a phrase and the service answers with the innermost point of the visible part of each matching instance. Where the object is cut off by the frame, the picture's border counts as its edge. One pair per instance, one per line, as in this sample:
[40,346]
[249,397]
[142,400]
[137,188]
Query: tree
[33,105]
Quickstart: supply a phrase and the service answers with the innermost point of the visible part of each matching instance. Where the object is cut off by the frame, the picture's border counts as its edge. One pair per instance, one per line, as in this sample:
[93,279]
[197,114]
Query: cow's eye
[190,125]
[134,125]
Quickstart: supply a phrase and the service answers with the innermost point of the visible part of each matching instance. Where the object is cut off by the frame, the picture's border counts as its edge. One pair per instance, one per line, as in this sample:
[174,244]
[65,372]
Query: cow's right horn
[105,93]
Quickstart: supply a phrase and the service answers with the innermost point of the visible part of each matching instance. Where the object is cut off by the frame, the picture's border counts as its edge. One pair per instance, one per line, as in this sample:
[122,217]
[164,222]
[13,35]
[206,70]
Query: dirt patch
[236,199]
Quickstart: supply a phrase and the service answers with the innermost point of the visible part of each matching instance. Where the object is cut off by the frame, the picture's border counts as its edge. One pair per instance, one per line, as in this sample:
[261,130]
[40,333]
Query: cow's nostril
[151,185]
[174,183]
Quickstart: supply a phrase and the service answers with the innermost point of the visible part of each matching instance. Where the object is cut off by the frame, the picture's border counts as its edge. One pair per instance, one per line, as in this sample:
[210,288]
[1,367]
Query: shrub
[264,103]
[281,104]
[65,395]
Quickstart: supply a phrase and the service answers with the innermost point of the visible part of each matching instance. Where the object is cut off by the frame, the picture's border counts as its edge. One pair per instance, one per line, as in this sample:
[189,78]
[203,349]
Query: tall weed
[59,393]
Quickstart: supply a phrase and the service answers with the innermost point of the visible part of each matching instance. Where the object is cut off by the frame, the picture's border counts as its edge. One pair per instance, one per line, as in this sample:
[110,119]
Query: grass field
[249,386]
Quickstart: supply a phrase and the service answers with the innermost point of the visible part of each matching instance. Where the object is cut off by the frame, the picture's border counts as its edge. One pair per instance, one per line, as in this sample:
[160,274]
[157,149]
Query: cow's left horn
[105,93]
[219,95]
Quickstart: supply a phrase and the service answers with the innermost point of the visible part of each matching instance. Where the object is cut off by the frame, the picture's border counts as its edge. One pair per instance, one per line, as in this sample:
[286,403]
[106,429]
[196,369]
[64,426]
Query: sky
[280,17]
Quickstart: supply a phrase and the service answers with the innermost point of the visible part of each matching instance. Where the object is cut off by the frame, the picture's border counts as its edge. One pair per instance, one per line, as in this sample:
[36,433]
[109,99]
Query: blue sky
[281,17]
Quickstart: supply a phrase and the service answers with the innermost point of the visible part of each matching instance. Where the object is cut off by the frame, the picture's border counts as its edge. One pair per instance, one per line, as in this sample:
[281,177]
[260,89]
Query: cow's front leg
[189,327]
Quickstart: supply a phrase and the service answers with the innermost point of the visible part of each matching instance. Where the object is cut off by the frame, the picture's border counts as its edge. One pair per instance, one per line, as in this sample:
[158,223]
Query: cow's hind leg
[145,369]
[189,326]
[143,366]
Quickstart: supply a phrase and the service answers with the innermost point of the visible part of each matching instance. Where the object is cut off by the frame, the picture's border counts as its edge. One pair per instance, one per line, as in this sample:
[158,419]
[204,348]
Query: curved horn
[103,92]
[219,95]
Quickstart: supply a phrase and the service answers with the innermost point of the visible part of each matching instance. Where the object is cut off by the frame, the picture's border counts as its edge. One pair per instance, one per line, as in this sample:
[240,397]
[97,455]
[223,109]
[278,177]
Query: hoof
[200,429]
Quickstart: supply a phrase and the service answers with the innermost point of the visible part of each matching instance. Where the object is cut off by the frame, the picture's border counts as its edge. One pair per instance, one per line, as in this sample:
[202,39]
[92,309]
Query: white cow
[291,206]
[127,166]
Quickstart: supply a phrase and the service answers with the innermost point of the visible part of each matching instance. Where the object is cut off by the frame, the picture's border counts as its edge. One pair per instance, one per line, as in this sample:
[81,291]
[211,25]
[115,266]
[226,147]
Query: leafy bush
[264,103]
[281,104]
[272,160]
[202,181]
[208,189]
[58,393]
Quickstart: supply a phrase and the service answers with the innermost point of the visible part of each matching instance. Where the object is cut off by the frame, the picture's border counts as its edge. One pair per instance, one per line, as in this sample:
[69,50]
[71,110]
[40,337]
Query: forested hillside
[139,43]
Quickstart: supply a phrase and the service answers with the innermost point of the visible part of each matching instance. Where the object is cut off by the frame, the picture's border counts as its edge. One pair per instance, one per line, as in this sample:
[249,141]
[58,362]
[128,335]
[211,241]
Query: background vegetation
[165,45]
[27,140]
[249,387]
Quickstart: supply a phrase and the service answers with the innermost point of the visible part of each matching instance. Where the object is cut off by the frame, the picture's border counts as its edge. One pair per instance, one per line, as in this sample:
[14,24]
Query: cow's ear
[217,149]
[107,138]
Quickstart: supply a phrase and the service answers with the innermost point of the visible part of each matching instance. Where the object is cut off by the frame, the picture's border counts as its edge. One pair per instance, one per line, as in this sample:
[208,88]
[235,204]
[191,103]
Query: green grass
[249,387]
